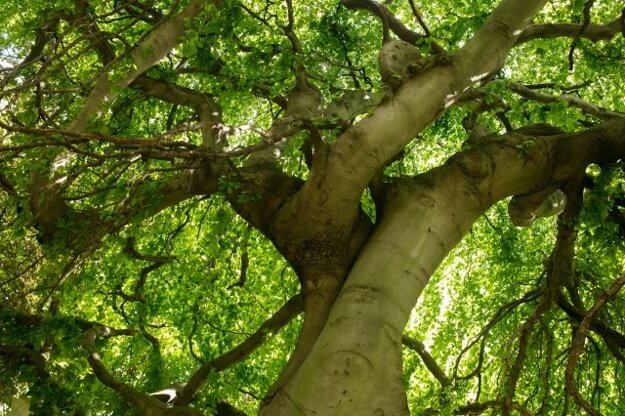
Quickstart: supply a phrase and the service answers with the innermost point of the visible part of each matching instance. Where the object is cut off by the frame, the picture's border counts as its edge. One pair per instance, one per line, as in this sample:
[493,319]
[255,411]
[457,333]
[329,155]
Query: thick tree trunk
[355,366]
[317,304]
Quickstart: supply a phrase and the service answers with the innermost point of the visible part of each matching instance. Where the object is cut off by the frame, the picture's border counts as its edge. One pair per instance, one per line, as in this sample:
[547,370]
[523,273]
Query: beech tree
[338,207]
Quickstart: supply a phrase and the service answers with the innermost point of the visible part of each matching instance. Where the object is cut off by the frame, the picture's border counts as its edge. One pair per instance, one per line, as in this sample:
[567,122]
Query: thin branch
[282,317]
[580,339]
[500,314]
[157,261]
[245,262]
[243,273]
[516,369]
[194,317]
[584,106]
[482,407]
[44,34]
[585,24]
[427,359]
[614,340]
[394,24]
[417,15]
[156,147]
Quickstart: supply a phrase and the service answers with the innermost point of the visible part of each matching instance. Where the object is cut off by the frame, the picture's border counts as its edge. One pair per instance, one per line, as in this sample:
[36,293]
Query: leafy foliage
[161,223]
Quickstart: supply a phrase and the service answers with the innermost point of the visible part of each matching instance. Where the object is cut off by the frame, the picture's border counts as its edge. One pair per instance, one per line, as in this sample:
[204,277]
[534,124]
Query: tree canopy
[337,207]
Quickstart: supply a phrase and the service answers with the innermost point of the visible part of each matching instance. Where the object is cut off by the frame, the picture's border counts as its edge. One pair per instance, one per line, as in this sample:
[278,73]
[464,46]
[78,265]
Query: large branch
[424,218]
[337,182]
[46,202]
[208,110]
[144,403]
[39,361]
[36,359]
[324,216]
[585,106]
[594,33]
[149,51]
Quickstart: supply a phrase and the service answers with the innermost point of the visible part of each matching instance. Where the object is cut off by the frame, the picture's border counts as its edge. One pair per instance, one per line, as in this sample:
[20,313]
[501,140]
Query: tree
[222,207]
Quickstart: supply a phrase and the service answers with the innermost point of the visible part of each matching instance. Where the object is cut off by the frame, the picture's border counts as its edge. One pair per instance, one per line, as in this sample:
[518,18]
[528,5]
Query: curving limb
[592,32]
[282,317]
[580,339]
[427,359]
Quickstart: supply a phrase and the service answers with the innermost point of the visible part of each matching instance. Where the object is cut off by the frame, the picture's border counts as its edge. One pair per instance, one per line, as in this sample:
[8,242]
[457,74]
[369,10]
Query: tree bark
[355,366]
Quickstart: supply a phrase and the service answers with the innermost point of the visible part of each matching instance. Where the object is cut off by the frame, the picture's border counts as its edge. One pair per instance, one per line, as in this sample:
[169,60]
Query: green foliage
[195,274]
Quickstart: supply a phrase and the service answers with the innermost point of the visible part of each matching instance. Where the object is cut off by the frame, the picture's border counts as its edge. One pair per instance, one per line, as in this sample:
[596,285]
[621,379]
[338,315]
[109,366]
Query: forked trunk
[355,367]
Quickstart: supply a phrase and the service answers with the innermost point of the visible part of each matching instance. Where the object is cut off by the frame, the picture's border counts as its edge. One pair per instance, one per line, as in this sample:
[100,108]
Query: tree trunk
[355,367]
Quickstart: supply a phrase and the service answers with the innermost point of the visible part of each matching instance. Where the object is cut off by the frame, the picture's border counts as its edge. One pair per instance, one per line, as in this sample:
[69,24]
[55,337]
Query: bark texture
[355,364]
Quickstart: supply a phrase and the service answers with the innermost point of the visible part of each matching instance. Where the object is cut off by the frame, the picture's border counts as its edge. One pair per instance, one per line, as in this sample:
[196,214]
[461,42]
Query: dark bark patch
[476,166]
[502,29]
[349,364]
[362,293]
[426,201]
